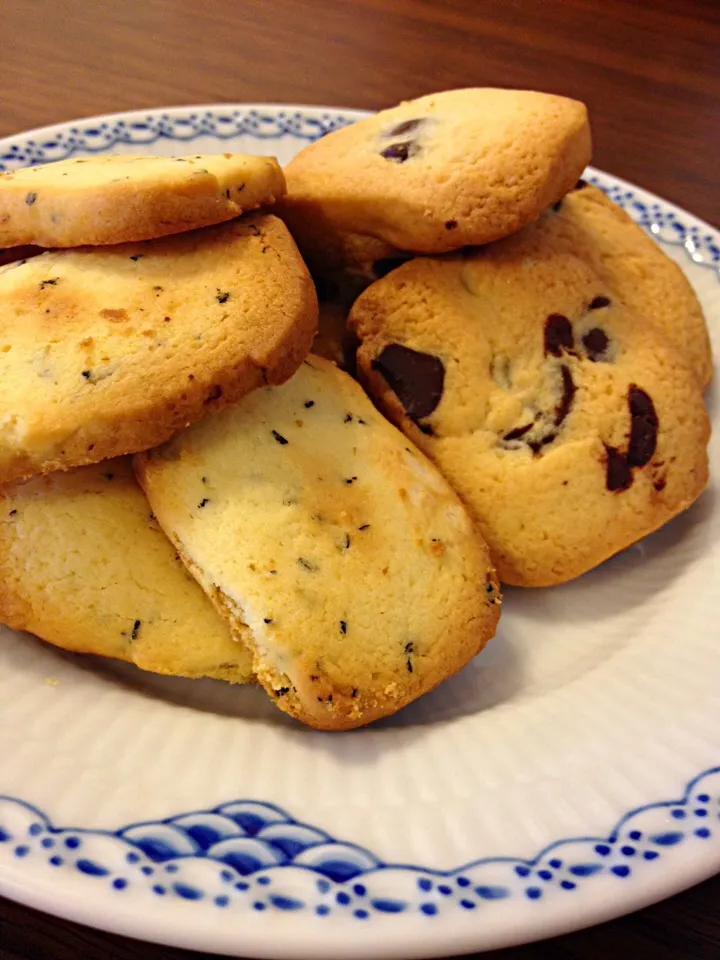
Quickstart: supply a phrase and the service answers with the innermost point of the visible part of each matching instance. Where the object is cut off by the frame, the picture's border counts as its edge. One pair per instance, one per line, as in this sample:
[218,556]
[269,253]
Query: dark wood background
[649,71]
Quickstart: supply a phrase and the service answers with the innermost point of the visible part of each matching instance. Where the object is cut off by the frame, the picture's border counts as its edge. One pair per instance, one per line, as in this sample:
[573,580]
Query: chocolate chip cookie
[440,172]
[627,258]
[570,423]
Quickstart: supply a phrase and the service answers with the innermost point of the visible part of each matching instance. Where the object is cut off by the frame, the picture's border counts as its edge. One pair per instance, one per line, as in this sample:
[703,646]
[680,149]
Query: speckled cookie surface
[119,199]
[308,517]
[443,171]
[637,269]
[106,351]
[569,424]
[85,566]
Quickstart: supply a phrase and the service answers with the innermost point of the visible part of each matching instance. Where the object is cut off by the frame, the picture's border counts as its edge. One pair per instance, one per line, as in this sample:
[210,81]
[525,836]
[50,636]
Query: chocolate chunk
[618,475]
[580,185]
[400,152]
[660,484]
[537,445]
[558,335]
[381,268]
[451,224]
[518,432]
[417,379]
[568,395]
[596,343]
[643,427]
[599,302]
[405,126]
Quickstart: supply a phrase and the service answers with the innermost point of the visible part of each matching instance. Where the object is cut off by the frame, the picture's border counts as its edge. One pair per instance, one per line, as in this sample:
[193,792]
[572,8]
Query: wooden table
[649,71]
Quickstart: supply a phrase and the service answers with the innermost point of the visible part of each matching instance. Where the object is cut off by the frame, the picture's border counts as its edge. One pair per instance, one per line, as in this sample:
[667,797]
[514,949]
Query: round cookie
[85,566]
[307,516]
[440,172]
[107,351]
[636,268]
[566,422]
[117,198]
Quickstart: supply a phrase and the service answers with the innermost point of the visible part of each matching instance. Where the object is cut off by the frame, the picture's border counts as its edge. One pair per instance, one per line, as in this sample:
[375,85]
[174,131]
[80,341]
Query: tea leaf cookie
[117,199]
[307,516]
[106,351]
[569,424]
[85,566]
[441,172]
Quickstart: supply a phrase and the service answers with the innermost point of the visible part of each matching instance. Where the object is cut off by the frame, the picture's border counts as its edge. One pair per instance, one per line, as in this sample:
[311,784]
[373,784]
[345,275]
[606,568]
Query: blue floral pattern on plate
[248,855]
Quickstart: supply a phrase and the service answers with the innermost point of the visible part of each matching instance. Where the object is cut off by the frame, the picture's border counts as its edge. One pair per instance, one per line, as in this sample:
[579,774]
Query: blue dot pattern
[255,857]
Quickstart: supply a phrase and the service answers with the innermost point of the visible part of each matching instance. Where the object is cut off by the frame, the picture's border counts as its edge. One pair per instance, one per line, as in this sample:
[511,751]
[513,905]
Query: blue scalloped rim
[252,855]
[98,136]
[255,856]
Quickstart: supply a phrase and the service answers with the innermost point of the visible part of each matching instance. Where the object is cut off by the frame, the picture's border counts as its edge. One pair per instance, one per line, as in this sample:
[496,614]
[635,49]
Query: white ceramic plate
[569,775]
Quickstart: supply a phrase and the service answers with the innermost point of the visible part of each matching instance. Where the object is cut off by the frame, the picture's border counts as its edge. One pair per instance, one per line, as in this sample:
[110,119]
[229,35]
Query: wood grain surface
[649,71]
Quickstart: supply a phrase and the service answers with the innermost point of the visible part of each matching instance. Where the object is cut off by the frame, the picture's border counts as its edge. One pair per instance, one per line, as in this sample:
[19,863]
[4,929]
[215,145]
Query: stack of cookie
[337,566]
[520,328]
[186,488]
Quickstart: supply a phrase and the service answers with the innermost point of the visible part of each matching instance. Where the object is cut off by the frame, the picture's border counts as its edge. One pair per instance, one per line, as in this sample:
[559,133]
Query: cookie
[85,566]
[307,516]
[570,425]
[117,199]
[106,351]
[441,172]
[633,264]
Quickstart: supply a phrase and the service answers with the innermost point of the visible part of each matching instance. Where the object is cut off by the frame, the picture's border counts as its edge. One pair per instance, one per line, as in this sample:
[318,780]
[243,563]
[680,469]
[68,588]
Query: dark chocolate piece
[568,395]
[518,432]
[399,152]
[558,335]
[599,302]
[405,126]
[643,427]
[417,379]
[596,343]
[618,475]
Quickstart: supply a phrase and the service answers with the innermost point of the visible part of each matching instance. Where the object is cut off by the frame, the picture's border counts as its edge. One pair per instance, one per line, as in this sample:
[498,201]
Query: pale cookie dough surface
[118,199]
[305,515]
[85,566]
[636,267]
[440,172]
[568,424]
[106,351]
